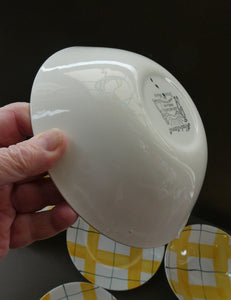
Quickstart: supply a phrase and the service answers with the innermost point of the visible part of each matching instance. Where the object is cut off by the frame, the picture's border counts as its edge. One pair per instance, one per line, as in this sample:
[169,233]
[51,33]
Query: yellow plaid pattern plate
[78,291]
[107,263]
[198,264]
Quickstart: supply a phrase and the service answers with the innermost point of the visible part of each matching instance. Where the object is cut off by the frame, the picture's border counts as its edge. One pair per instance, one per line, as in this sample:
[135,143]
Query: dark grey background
[191,39]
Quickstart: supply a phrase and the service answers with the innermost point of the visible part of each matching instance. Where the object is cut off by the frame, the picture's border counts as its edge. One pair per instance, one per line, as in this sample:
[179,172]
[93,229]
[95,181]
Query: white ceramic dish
[78,291]
[107,263]
[198,264]
[137,151]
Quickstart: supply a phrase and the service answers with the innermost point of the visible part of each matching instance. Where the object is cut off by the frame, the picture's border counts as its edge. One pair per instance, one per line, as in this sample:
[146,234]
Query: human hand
[23,188]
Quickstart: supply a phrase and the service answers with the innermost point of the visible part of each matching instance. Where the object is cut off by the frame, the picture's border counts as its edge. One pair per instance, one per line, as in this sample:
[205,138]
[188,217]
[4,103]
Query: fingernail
[50,140]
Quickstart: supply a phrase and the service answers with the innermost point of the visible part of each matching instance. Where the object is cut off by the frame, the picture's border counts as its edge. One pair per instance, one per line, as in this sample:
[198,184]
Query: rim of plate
[77,290]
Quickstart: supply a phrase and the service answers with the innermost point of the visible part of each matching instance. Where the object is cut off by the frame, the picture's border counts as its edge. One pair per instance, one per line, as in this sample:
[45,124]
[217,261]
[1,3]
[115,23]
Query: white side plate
[198,263]
[107,263]
[78,291]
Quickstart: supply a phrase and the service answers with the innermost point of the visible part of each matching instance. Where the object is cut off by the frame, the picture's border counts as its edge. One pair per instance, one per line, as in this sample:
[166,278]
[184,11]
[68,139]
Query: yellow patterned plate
[198,264]
[78,291]
[107,263]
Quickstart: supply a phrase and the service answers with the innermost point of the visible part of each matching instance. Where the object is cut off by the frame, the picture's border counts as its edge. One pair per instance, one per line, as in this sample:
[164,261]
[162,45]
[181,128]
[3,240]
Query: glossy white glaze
[137,150]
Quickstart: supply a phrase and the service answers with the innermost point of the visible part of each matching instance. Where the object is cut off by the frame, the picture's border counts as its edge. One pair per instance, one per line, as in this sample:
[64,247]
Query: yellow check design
[83,291]
[198,264]
[126,268]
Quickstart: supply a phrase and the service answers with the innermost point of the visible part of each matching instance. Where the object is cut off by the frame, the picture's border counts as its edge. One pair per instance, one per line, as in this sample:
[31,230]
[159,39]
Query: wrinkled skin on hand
[23,188]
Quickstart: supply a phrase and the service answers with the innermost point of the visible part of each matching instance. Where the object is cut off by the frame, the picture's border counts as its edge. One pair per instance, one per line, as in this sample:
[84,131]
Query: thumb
[31,157]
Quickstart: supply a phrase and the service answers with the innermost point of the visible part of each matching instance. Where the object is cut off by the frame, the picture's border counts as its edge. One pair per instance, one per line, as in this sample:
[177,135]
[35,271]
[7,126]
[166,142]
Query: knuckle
[21,158]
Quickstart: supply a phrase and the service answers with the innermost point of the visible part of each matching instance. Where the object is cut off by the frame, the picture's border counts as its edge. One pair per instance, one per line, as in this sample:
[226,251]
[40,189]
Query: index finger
[15,123]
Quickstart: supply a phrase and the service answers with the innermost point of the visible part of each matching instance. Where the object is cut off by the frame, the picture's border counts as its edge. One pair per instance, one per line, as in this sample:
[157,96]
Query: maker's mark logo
[172,112]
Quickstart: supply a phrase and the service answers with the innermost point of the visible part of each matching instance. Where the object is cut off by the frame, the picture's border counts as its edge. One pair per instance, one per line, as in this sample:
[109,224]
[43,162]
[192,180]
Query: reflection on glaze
[48,113]
[184,252]
[89,63]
